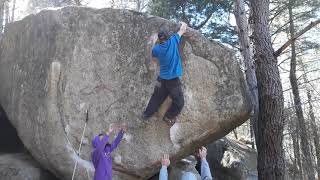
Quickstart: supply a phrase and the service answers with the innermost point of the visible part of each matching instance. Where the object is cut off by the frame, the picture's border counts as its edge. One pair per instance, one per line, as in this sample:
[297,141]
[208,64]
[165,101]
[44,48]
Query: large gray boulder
[21,166]
[58,63]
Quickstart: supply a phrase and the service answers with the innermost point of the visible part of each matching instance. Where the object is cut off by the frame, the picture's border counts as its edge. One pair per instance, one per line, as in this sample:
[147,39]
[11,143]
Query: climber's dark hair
[163,35]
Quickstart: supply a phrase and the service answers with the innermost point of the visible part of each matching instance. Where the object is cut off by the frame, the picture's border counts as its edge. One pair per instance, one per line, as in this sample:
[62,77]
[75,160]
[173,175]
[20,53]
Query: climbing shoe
[170,122]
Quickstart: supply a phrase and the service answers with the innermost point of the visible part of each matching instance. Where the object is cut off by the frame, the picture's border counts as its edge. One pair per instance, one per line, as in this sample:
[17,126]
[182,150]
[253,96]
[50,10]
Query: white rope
[75,165]
[88,174]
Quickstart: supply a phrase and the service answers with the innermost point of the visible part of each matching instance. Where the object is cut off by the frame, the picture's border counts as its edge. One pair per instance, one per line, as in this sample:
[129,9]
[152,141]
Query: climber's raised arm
[105,138]
[154,60]
[152,53]
[183,28]
[165,162]
[205,170]
[115,143]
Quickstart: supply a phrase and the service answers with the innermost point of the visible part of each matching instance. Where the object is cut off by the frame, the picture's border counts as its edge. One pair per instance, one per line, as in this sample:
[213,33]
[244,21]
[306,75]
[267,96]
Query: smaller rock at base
[21,166]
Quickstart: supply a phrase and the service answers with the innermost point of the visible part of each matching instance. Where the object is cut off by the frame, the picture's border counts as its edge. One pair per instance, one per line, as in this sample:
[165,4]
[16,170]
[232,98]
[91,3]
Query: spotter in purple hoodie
[101,156]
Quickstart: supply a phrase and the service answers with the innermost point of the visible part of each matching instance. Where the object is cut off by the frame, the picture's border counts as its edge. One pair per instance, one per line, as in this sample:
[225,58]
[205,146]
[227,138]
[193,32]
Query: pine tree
[1,15]
[209,17]
[270,121]
[289,17]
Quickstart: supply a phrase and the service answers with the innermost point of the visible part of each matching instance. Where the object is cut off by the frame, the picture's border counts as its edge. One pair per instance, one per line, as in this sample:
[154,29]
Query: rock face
[20,166]
[231,160]
[59,63]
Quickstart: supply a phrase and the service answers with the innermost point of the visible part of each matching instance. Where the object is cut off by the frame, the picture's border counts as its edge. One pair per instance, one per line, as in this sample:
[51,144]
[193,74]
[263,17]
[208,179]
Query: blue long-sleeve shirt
[205,170]
[205,173]
[169,58]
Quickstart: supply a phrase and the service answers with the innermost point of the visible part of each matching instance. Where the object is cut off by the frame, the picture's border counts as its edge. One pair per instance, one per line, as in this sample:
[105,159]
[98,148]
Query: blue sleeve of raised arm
[175,38]
[117,140]
[163,173]
[205,170]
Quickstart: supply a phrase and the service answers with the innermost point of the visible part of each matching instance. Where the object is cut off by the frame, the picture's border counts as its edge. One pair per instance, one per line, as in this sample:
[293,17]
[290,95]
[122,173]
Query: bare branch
[277,13]
[13,9]
[296,36]
[287,59]
[297,16]
[204,22]
[316,79]
[314,100]
[285,70]
[314,70]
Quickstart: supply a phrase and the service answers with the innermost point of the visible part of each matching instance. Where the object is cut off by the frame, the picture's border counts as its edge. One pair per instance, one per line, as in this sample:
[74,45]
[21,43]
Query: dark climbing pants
[162,90]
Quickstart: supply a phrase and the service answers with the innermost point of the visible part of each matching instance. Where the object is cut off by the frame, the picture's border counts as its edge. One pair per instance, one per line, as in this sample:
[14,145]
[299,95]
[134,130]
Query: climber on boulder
[101,155]
[166,54]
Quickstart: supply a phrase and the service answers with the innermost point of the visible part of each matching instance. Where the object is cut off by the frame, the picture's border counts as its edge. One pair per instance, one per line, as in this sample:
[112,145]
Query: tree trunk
[270,122]
[295,143]
[112,4]
[296,150]
[307,161]
[247,54]
[6,13]
[13,9]
[314,126]
[139,5]
[294,130]
[315,133]
[1,15]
